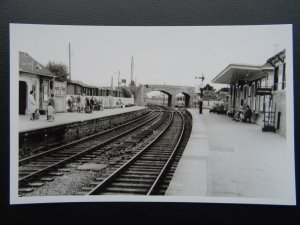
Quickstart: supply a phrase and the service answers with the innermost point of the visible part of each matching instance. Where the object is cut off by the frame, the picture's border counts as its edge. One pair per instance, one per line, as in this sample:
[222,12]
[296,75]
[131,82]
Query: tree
[58,69]
[208,88]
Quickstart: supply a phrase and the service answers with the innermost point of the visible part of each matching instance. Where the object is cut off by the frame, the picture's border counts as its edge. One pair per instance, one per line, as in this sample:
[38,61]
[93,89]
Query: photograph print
[151,114]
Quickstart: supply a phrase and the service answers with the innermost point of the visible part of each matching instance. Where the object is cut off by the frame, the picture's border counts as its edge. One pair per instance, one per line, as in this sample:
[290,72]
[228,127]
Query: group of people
[243,114]
[82,104]
[85,104]
[34,111]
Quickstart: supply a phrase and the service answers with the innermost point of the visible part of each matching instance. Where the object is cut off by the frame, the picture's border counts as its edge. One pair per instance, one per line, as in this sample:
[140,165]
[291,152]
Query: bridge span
[140,93]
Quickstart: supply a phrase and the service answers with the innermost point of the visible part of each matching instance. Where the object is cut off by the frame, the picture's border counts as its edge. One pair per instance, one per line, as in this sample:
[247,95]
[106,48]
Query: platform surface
[25,124]
[224,158]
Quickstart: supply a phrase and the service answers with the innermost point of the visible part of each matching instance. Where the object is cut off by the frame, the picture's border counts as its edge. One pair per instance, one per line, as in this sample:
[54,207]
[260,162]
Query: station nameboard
[263,91]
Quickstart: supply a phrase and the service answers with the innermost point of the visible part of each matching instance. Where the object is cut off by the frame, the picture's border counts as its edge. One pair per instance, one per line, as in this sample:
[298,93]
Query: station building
[106,95]
[33,76]
[262,87]
[75,87]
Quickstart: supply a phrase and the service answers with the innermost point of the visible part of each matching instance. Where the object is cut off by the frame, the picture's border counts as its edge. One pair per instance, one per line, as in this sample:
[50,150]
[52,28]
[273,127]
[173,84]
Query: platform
[224,158]
[25,124]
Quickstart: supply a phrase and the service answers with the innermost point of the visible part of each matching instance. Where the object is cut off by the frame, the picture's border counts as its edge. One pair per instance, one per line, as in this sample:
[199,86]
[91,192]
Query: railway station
[192,143]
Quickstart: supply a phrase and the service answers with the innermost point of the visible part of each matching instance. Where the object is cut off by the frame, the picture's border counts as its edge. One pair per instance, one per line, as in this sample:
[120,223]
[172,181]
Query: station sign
[60,88]
[263,91]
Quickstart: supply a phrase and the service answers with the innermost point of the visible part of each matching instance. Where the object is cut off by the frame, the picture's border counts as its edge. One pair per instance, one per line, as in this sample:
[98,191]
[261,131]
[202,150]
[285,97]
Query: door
[22,97]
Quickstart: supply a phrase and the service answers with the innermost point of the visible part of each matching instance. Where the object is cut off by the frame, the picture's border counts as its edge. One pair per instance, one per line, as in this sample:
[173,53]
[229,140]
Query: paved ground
[63,118]
[225,158]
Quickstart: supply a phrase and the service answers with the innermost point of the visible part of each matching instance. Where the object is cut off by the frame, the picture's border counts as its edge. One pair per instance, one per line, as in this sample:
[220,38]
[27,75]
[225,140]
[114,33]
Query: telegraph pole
[118,79]
[70,59]
[132,65]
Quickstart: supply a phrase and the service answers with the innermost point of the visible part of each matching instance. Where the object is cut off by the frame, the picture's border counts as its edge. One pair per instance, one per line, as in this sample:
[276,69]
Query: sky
[161,55]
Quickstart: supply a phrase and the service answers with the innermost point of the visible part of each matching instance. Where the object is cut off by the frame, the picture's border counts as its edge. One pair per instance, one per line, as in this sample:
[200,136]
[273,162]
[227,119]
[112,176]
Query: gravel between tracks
[68,184]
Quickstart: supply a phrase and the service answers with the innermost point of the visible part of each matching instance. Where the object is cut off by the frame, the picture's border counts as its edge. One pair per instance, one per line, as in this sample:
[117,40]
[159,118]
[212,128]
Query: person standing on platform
[200,105]
[50,112]
[82,102]
[78,102]
[32,106]
[51,103]
[70,103]
[92,102]
[110,99]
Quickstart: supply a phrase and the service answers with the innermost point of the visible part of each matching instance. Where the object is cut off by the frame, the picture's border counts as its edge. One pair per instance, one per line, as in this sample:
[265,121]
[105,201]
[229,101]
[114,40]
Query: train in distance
[180,101]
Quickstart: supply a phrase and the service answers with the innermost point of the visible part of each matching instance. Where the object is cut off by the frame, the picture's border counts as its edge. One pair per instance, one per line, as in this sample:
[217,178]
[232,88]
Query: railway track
[145,172]
[43,167]
[164,183]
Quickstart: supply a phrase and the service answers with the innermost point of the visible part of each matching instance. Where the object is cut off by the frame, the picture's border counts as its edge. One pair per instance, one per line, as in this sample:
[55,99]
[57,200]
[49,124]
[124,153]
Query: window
[45,93]
[252,91]
[276,78]
[51,85]
[283,77]
[245,92]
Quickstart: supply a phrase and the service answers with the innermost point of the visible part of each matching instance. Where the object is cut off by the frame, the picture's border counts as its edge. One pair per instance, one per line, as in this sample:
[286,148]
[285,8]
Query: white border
[14,140]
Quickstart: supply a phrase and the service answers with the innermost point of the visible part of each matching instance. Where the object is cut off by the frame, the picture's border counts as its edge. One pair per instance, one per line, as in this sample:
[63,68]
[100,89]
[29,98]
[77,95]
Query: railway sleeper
[131,142]
[31,167]
[135,180]
[64,170]
[145,176]
[35,184]
[142,173]
[25,190]
[67,154]
[147,166]
[79,161]
[49,160]
[69,151]
[85,158]
[47,178]
[56,174]
[160,157]
[37,163]
[147,163]
[154,148]
[127,190]
[154,158]
[23,174]
[26,172]
[86,188]
[146,169]
[163,154]
[99,178]
[130,185]
[91,156]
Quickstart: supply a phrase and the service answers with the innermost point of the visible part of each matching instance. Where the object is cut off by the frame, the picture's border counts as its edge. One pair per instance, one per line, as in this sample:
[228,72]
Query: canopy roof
[280,56]
[235,73]
[80,83]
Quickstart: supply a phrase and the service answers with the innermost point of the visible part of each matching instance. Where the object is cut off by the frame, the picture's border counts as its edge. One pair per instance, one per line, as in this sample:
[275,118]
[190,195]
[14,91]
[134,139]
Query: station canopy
[235,73]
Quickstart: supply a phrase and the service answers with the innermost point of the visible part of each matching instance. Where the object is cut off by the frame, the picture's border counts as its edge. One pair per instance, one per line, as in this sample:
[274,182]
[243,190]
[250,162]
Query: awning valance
[235,73]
